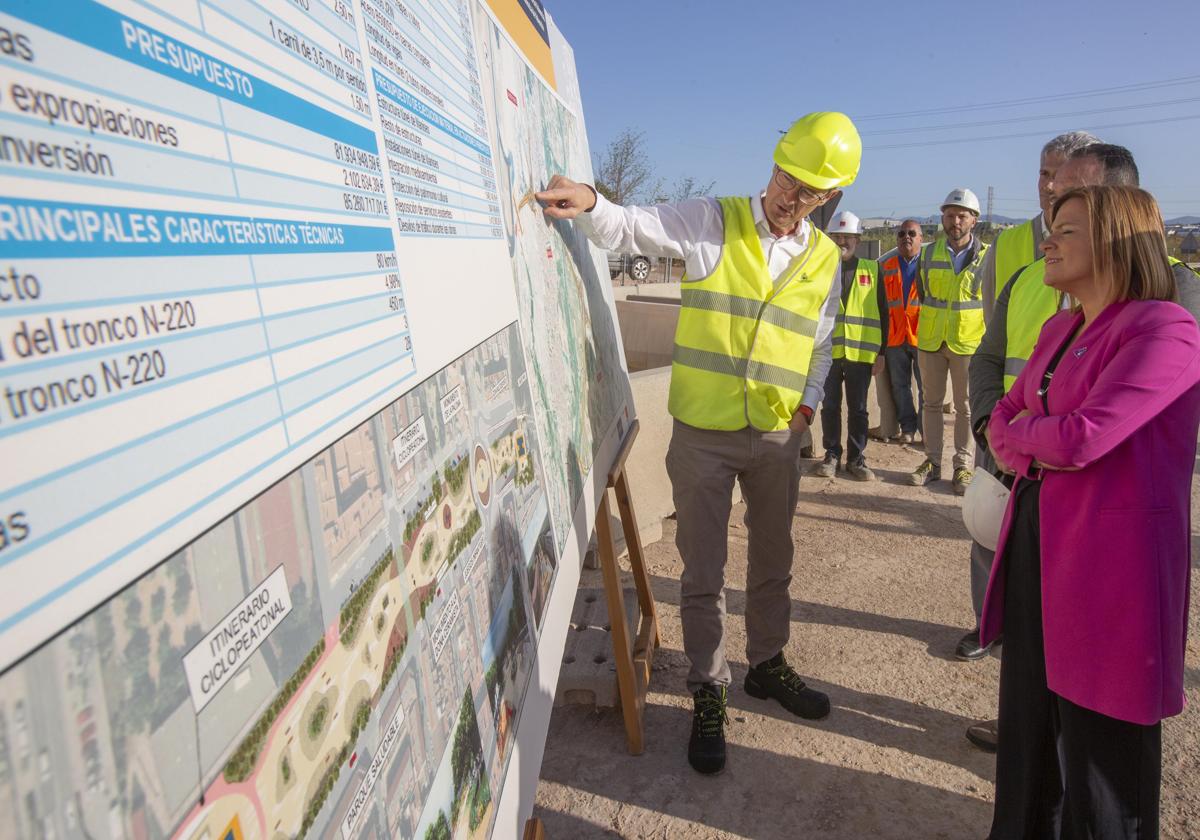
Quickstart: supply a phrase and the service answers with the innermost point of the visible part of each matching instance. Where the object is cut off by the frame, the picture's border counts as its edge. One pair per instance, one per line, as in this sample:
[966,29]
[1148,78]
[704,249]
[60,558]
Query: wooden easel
[633,658]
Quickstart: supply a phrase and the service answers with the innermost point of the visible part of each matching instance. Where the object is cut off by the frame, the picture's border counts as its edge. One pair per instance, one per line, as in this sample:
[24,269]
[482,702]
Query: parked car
[635,265]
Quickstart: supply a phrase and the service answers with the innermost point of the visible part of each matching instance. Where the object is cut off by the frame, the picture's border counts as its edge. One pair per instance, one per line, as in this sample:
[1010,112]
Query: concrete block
[589,675]
[647,332]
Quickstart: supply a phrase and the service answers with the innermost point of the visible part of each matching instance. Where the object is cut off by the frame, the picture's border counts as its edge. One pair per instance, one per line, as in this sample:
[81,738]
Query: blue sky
[712,83]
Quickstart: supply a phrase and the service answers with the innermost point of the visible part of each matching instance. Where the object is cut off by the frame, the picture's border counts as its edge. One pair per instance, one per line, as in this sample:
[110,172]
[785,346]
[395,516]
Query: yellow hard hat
[821,149]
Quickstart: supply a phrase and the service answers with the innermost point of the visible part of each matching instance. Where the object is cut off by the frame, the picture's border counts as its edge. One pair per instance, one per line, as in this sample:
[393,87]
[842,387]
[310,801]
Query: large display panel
[302,403]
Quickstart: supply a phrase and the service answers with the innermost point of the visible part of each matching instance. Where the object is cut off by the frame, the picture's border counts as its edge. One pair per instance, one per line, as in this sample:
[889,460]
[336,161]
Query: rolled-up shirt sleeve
[822,353]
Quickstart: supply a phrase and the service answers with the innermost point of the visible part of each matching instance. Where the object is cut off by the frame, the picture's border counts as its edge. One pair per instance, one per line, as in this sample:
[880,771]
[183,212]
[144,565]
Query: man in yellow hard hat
[752,350]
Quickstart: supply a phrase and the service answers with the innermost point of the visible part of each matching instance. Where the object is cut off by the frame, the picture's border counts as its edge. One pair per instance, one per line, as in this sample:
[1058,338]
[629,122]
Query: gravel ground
[880,597]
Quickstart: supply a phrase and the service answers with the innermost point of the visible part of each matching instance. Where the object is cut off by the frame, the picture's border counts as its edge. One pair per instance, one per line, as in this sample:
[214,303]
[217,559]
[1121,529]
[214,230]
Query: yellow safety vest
[1030,305]
[951,306]
[858,333]
[744,342]
[1015,248]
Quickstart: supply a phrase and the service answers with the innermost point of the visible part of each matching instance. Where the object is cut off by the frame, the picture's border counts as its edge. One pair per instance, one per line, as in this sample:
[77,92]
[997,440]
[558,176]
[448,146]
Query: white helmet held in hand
[983,508]
[962,197]
[844,221]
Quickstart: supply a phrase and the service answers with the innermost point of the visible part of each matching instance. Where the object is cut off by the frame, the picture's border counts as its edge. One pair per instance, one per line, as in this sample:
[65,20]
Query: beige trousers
[935,366]
[703,465]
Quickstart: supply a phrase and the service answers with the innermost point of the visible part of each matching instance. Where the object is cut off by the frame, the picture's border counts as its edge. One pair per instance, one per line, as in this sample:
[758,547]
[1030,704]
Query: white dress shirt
[694,231]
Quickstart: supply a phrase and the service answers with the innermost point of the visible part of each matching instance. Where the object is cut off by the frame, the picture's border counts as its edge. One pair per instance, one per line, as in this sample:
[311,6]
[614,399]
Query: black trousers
[1062,771]
[857,378]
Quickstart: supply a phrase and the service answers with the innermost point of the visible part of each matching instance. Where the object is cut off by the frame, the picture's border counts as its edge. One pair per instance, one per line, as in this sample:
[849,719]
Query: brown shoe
[985,735]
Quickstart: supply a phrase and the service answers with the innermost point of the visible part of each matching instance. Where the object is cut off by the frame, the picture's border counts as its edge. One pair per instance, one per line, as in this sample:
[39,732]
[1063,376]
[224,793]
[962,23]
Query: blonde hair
[1129,244]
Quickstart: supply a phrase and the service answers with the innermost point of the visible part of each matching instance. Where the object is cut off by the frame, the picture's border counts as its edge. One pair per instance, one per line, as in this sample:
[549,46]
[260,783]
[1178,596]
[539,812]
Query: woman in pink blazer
[1090,586]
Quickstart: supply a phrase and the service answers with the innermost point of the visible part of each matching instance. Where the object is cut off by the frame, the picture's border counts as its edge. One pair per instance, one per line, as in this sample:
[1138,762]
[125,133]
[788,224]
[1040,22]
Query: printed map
[566,320]
[380,684]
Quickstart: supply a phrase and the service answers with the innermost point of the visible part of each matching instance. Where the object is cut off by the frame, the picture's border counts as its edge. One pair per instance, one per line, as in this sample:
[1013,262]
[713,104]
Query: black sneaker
[706,749]
[776,679]
[807,452]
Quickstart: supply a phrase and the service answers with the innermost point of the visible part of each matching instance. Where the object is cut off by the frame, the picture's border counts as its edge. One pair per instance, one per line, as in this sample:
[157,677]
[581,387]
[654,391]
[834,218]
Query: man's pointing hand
[566,199]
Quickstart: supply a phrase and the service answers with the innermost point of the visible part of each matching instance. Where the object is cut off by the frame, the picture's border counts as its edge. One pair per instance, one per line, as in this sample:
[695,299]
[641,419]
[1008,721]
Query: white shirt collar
[764,227]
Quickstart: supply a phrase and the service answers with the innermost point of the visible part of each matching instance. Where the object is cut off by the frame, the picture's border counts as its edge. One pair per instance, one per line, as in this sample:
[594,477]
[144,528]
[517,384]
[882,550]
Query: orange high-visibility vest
[903,315]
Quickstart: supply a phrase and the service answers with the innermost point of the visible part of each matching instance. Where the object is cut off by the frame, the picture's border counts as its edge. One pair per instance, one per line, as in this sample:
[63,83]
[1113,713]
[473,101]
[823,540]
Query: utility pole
[991,198]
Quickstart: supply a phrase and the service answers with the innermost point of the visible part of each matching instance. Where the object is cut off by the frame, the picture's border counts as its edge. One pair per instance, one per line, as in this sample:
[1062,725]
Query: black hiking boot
[776,679]
[706,749]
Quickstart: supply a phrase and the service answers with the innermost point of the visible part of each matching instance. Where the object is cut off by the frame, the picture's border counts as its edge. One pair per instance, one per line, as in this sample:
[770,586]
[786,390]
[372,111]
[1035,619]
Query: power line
[1028,134]
[1010,120]
[1030,100]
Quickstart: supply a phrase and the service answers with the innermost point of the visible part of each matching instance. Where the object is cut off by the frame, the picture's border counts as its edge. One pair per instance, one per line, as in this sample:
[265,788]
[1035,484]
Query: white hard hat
[962,197]
[983,508]
[844,221]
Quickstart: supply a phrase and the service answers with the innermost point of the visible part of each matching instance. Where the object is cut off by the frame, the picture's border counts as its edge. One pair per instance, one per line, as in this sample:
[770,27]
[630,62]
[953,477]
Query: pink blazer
[1115,535]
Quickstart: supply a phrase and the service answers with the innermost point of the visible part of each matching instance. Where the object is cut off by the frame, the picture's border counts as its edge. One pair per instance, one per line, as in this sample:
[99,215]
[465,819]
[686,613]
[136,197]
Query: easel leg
[627,683]
[637,560]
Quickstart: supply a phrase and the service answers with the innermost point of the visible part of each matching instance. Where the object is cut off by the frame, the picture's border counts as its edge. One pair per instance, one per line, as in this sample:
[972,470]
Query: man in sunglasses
[898,280]
[752,350]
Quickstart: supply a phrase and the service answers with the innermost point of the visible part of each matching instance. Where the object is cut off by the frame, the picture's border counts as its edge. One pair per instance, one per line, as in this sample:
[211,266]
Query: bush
[354,611]
[462,537]
[316,723]
[241,764]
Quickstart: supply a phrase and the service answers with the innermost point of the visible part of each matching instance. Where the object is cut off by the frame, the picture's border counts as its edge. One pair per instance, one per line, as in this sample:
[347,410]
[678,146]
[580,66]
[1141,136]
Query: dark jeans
[902,368]
[1062,771]
[857,379]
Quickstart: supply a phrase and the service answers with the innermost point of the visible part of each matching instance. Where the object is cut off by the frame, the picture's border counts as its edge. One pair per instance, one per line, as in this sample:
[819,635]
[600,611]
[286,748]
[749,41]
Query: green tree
[467,749]
[440,830]
[133,608]
[137,650]
[158,604]
[182,593]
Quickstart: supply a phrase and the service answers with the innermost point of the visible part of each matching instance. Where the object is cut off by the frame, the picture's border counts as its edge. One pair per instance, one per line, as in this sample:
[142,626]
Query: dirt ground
[880,598]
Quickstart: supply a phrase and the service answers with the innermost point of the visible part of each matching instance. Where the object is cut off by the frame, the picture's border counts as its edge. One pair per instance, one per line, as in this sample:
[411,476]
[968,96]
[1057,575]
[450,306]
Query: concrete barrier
[647,332]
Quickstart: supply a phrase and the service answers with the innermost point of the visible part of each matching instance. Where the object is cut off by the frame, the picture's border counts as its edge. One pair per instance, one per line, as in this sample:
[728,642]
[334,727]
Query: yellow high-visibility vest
[1015,248]
[1030,304]
[744,342]
[951,306]
[858,333]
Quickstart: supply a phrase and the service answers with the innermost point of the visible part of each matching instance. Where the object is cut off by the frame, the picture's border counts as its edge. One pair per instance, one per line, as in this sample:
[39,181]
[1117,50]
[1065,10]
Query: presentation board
[302,400]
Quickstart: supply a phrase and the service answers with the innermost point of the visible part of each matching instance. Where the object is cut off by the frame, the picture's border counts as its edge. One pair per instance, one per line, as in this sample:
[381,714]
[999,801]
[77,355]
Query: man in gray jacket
[1014,249]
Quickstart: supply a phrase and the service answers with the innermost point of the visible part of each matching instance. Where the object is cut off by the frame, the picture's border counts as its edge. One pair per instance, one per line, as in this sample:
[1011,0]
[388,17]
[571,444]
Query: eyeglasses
[900,234]
[804,195]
